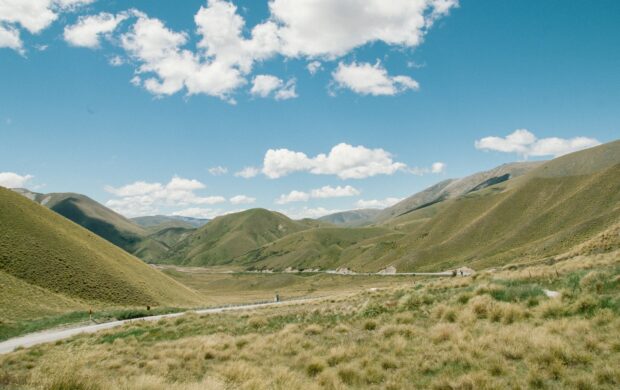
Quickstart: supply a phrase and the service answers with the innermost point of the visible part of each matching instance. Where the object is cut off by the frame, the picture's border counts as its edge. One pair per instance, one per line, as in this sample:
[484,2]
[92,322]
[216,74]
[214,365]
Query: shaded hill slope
[40,251]
[352,218]
[102,221]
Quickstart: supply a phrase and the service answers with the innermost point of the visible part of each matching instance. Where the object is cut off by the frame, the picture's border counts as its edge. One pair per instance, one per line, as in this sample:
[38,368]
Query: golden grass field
[496,329]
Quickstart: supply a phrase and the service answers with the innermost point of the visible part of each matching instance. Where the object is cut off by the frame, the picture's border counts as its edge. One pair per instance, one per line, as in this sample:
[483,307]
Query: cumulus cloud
[219,66]
[377,203]
[218,171]
[318,193]
[14,180]
[525,143]
[89,29]
[264,85]
[227,49]
[368,79]
[344,160]
[242,199]
[329,29]
[31,15]
[248,172]
[140,198]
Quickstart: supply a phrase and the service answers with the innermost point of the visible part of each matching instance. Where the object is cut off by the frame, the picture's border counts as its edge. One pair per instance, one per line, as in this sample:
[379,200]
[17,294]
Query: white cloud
[89,29]
[9,38]
[344,160]
[197,212]
[525,143]
[377,203]
[438,167]
[308,212]
[218,171]
[318,193]
[13,180]
[367,79]
[32,15]
[293,196]
[435,168]
[227,49]
[314,67]
[242,199]
[140,198]
[327,28]
[219,66]
[287,91]
[248,172]
[263,85]
[334,192]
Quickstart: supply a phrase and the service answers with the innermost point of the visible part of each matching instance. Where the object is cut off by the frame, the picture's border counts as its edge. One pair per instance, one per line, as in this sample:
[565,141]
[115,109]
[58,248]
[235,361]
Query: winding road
[49,336]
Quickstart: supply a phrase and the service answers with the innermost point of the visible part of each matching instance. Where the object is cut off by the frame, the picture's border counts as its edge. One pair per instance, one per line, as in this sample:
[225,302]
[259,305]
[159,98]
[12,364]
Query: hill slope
[44,254]
[155,223]
[352,217]
[232,235]
[102,221]
[453,188]
[552,208]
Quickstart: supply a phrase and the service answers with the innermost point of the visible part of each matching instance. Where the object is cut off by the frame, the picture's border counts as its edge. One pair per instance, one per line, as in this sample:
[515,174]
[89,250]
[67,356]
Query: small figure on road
[277,298]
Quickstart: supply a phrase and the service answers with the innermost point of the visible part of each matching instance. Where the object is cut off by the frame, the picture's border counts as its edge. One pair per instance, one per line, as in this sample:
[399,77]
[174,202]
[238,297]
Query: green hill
[453,188]
[543,212]
[228,237]
[102,221]
[54,265]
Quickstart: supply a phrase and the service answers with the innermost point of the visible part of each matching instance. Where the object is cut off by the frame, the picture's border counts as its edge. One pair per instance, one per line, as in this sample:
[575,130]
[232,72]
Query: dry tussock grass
[492,332]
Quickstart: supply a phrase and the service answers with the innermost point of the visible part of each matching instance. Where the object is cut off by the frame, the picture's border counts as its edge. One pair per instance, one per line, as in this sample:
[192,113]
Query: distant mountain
[486,220]
[453,188]
[51,265]
[230,236]
[159,222]
[102,221]
[352,218]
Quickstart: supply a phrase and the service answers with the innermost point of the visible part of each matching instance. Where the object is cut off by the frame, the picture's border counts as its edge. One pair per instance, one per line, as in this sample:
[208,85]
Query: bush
[370,325]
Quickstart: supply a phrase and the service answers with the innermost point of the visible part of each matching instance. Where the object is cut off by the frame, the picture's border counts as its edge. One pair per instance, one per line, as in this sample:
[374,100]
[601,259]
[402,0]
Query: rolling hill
[544,210]
[453,188]
[55,265]
[102,221]
[228,237]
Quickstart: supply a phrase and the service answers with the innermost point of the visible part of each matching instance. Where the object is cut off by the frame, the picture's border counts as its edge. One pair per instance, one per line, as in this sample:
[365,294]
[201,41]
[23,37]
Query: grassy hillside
[102,221]
[352,218]
[453,188]
[544,212]
[230,236]
[44,254]
[323,248]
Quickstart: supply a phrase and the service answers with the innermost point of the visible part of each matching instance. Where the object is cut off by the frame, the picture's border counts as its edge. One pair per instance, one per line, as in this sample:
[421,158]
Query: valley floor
[493,330]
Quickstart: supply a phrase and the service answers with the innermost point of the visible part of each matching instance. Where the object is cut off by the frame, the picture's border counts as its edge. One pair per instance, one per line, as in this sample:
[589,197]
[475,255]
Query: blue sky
[454,90]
